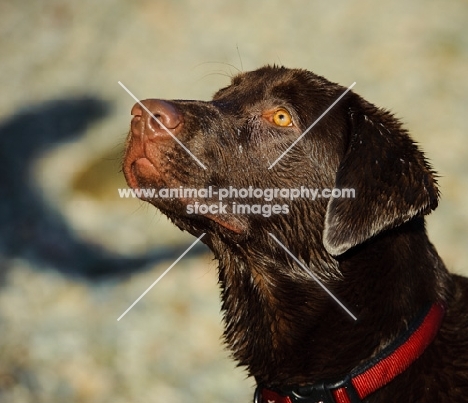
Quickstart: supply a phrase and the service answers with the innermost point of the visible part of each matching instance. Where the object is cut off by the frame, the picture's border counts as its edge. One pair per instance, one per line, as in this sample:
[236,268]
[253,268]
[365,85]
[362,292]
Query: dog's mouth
[138,169]
[148,177]
[141,168]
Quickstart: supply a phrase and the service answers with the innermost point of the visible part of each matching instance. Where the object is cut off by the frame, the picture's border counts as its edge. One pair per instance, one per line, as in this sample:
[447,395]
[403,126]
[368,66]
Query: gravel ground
[60,339]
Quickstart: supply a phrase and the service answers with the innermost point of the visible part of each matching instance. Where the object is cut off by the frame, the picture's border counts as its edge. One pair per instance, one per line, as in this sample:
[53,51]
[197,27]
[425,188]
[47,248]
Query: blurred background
[74,256]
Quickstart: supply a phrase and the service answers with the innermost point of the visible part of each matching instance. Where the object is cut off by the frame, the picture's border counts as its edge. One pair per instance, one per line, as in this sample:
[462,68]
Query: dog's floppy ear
[392,180]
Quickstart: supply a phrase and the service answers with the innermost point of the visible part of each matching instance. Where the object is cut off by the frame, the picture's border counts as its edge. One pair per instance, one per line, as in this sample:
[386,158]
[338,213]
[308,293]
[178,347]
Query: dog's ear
[391,178]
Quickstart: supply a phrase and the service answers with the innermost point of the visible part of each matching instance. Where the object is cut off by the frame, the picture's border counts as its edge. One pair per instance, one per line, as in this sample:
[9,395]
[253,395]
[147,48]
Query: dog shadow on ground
[32,229]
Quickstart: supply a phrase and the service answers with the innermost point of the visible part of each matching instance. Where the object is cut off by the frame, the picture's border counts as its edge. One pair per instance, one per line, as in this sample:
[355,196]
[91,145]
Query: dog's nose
[156,116]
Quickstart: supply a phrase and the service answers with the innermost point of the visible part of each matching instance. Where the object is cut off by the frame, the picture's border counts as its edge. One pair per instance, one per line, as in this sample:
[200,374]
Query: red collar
[371,376]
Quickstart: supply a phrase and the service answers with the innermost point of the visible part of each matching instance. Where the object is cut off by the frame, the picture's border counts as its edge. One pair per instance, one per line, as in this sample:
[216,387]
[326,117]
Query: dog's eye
[282,118]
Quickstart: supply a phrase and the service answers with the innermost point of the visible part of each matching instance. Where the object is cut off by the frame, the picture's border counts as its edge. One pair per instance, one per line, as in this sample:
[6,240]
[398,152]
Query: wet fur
[371,252]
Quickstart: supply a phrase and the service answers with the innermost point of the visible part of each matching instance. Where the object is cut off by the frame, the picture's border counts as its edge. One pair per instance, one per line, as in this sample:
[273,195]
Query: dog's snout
[156,117]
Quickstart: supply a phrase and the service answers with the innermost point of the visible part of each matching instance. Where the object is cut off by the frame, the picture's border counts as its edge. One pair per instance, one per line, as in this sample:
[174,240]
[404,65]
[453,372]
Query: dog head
[245,129]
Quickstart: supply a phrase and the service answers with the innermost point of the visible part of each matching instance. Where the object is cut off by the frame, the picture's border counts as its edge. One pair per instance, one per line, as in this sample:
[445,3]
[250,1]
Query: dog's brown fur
[372,252]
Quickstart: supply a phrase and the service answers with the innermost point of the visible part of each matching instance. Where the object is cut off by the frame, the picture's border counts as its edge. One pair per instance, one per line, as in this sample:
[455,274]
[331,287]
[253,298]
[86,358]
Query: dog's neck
[287,330]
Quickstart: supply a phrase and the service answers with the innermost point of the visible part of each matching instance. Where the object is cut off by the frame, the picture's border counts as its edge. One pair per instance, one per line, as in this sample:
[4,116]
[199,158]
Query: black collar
[368,377]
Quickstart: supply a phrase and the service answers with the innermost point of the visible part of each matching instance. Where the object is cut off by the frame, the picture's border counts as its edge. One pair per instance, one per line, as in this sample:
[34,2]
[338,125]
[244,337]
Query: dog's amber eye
[282,118]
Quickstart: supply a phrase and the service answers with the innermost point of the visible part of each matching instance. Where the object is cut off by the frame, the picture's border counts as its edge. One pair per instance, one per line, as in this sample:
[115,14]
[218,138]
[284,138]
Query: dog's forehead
[295,87]
[262,82]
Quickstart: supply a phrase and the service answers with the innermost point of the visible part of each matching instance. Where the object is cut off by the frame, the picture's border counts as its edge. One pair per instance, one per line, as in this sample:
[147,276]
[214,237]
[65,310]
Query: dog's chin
[141,173]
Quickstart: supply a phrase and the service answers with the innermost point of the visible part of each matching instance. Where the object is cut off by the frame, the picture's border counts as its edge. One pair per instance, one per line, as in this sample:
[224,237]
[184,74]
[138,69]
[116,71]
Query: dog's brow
[313,124]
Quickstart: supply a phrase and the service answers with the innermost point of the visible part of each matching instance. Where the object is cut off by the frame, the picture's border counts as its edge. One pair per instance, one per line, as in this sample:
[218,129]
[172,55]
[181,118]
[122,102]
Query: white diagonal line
[313,276]
[160,124]
[312,125]
[161,276]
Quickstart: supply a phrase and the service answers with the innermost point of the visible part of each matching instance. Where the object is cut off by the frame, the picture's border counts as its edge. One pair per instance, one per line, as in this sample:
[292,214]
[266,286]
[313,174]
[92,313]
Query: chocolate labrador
[313,201]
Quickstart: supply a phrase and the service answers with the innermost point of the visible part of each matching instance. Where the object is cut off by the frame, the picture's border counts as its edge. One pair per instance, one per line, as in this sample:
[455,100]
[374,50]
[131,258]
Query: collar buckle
[316,393]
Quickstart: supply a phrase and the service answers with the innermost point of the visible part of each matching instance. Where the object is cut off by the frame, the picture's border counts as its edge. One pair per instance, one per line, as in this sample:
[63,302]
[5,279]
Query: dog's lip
[139,167]
[144,163]
[229,222]
[142,168]
[136,169]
